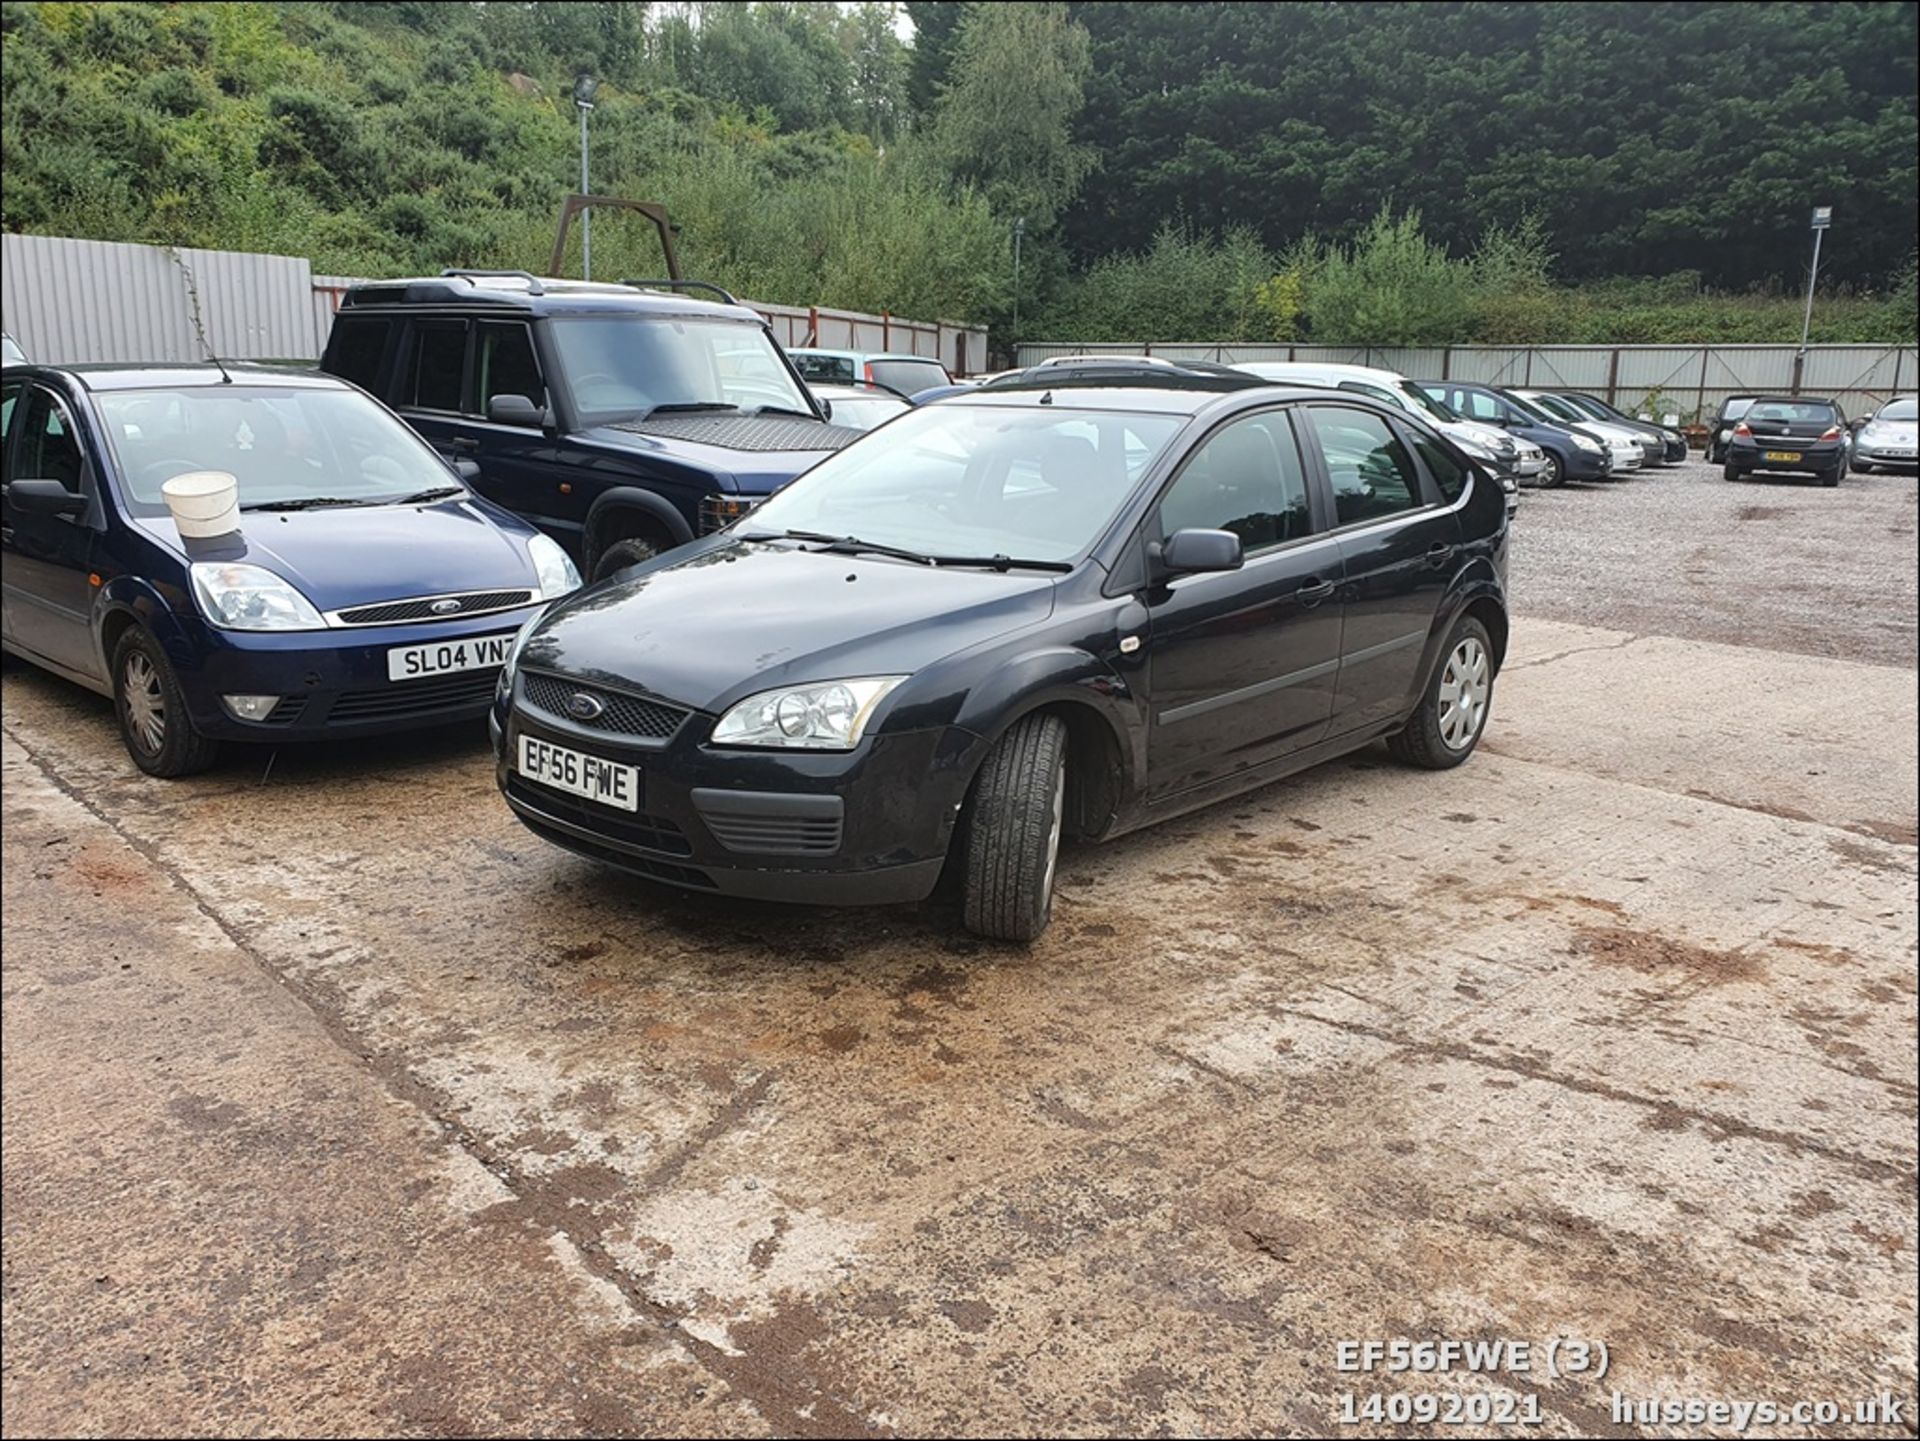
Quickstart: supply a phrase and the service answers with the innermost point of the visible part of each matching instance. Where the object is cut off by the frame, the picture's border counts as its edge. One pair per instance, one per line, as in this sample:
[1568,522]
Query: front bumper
[1582,465]
[332,683]
[1894,454]
[1676,449]
[862,827]
[1815,456]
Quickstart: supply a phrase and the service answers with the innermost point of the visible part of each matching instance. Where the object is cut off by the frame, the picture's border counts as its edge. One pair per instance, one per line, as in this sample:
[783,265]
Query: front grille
[652,833]
[461,692]
[394,612]
[622,714]
[777,835]
[286,711]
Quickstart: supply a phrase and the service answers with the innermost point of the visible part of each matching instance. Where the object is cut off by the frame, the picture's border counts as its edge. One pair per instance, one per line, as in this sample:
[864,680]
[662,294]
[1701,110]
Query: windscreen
[1553,405]
[909,377]
[281,444]
[619,367]
[1897,410]
[977,480]
[1426,404]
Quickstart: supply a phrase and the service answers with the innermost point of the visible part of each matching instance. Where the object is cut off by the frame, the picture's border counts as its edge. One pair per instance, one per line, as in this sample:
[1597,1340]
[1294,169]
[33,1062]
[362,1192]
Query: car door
[521,467]
[49,599]
[1241,664]
[1397,536]
[430,384]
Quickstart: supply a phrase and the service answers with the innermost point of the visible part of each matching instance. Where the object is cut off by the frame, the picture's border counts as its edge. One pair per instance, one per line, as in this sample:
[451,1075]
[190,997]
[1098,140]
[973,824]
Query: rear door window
[356,349]
[435,367]
[1373,474]
[1449,474]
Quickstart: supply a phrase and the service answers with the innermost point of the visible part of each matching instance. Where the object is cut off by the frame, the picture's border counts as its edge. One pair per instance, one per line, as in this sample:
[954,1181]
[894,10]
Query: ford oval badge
[584,707]
[444,607]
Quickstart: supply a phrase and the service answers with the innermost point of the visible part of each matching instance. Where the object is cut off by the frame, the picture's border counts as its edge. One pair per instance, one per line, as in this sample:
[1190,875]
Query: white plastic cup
[204,503]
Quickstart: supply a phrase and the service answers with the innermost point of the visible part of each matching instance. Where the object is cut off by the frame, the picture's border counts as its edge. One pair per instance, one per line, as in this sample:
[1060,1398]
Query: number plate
[1785,456]
[443,657]
[579,774]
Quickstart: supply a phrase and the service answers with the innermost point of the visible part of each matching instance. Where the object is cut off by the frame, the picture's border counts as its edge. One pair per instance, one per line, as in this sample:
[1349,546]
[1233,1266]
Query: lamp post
[583,87]
[1822,218]
[1019,230]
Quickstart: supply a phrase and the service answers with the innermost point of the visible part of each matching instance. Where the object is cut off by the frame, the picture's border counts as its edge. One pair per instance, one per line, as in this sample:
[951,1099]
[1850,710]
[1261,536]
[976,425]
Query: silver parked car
[1889,440]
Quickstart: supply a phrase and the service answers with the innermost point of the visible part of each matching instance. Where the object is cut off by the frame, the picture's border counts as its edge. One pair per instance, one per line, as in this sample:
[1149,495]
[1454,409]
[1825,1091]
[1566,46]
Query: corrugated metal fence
[68,301]
[1687,380]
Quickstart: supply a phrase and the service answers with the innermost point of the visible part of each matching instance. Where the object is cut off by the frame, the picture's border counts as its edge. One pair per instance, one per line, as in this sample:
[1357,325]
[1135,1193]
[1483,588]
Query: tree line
[1349,173]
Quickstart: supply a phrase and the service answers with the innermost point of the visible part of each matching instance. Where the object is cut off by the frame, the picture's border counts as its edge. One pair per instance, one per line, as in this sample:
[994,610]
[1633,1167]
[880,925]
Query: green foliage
[1004,122]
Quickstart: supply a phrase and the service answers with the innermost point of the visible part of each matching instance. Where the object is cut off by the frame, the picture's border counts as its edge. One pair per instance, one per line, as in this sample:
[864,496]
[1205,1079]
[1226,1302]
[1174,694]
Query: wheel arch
[613,514]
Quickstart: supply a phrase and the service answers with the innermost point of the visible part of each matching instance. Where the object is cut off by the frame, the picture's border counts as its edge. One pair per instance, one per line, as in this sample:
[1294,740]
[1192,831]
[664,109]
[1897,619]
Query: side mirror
[44,497]
[1858,425]
[516,410]
[1195,552]
[467,469]
[826,407]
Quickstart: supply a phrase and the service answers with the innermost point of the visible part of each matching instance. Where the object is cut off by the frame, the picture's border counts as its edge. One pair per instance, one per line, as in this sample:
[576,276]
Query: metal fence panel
[68,301]
[1687,380]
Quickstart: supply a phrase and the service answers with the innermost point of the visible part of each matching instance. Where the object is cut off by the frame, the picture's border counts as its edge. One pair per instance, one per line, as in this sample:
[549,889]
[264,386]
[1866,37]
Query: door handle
[1438,555]
[1314,591]
[464,444]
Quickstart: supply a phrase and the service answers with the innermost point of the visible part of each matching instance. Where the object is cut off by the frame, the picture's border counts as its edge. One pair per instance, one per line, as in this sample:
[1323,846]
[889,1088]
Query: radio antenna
[199,325]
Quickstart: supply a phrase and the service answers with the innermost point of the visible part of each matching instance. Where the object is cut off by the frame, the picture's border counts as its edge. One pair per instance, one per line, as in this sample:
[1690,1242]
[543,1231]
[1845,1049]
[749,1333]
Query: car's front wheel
[1445,727]
[1013,831]
[152,708]
[1550,474]
[634,550]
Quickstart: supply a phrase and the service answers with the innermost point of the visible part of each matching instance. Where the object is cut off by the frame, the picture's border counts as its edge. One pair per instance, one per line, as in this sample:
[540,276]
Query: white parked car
[1489,444]
[1628,449]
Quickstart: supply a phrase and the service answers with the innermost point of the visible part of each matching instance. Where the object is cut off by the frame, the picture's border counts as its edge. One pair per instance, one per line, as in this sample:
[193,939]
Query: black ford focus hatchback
[1066,608]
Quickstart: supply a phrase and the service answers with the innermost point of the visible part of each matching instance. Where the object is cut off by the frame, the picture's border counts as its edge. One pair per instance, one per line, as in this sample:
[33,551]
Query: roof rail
[726,296]
[534,287]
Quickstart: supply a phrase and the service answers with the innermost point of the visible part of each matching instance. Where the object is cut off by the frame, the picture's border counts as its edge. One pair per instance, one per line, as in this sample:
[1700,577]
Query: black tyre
[1733,472]
[1446,725]
[1861,467]
[623,553]
[154,723]
[1831,478]
[1013,830]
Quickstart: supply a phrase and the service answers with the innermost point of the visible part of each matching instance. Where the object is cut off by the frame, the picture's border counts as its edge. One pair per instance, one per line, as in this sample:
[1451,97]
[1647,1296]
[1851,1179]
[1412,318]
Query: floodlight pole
[1019,229]
[1822,218]
[583,87]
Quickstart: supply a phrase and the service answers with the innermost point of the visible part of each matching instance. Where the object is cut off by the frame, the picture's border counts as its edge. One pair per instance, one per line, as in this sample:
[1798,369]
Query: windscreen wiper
[310,502]
[438,492]
[784,410]
[853,545]
[1002,562]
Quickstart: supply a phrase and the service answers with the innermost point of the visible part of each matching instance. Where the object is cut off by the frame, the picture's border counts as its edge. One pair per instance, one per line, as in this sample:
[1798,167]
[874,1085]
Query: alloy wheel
[1053,830]
[146,704]
[1464,687]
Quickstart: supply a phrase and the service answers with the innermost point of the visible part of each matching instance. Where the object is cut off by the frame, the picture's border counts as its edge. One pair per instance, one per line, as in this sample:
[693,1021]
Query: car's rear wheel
[152,709]
[1733,472]
[634,550]
[1014,821]
[1446,725]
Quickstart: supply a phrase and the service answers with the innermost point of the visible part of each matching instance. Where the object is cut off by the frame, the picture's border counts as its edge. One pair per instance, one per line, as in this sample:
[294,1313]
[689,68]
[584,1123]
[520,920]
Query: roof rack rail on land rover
[725,295]
[534,287]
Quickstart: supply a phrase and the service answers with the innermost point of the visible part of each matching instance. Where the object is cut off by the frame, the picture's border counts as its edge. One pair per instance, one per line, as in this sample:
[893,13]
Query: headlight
[1474,448]
[830,716]
[1588,443]
[249,597]
[554,567]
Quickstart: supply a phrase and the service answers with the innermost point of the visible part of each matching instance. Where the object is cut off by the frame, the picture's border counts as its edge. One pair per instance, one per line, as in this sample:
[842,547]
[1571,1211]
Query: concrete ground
[336,1102]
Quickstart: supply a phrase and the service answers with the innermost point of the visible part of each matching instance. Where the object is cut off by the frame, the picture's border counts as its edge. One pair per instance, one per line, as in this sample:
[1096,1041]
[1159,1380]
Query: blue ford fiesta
[351,584]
